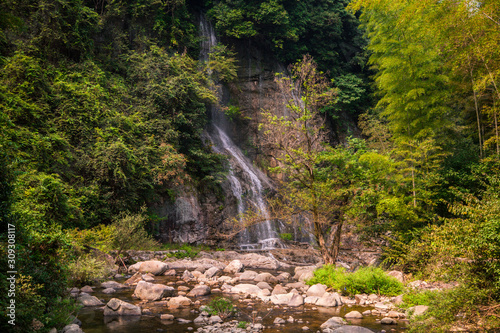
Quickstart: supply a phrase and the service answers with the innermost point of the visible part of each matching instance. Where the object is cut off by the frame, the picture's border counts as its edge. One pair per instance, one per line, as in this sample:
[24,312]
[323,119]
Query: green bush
[418,297]
[464,306]
[365,280]
[286,236]
[222,307]
[87,269]
[242,324]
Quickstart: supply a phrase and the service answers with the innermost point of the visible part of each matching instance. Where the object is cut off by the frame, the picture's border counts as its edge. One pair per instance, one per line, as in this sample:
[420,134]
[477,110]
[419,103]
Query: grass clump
[369,280]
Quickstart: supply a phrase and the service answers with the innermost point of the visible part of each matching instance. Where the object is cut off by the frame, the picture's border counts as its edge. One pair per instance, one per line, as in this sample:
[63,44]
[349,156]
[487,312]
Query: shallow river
[93,320]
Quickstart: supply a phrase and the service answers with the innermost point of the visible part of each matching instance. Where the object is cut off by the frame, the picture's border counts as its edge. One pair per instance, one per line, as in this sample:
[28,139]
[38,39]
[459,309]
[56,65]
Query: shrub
[242,324]
[418,297]
[365,280]
[222,307]
[130,233]
[87,269]
[286,236]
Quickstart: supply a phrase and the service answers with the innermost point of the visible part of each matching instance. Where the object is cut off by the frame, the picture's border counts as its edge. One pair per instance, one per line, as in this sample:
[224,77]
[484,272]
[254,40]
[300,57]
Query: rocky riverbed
[269,295]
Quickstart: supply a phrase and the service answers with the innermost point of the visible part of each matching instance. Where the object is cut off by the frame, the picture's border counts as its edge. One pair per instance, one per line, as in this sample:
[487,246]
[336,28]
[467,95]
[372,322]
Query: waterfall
[246,181]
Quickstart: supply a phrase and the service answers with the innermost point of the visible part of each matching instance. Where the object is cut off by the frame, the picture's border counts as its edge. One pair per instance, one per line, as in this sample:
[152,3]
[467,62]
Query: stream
[93,320]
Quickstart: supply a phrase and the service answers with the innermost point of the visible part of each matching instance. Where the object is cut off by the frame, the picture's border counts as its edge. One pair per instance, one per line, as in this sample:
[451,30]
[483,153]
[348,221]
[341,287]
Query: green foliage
[222,307]
[130,233]
[365,280]
[242,324]
[417,297]
[87,269]
[185,251]
[465,307]
[323,29]
[286,236]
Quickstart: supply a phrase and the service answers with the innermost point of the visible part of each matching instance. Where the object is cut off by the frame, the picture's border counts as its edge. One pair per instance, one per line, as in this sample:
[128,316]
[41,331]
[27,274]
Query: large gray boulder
[248,276]
[316,290]
[113,284]
[333,322]
[117,307]
[245,288]
[329,300]
[152,292]
[350,329]
[234,267]
[266,277]
[87,300]
[154,267]
[201,290]
[73,328]
[179,302]
[211,272]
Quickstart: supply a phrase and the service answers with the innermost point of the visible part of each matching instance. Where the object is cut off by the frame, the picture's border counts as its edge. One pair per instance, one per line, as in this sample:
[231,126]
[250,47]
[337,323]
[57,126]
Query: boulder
[245,289]
[351,329]
[87,289]
[170,272]
[201,290]
[73,328]
[258,261]
[234,267]
[279,321]
[187,276]
[329,300]
[179,302]
[265,277]
[211,272]
[388,321]
[248,276]
[108,291]
[316,290]
[132,281]
[303,273]
[398,275]
[282,299]
[87,300]
[298,285]
[333,322]
[264,285]
[117,307]
[311,299]
[152,292]
[354,315]
[279,289]
[167,316]
[214,320]
[113,284]
[296,300]
[154,267]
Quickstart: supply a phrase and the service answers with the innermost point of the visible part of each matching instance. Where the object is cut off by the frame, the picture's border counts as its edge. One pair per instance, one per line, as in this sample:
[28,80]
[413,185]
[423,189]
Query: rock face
[152,266]
[152,292]
[116,307]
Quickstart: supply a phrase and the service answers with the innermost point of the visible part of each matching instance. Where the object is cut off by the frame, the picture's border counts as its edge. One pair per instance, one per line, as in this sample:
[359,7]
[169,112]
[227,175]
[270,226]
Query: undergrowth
[369,280]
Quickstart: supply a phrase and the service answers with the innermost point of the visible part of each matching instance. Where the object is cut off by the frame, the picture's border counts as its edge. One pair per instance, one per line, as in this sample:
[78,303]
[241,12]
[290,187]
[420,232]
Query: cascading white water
[262,236]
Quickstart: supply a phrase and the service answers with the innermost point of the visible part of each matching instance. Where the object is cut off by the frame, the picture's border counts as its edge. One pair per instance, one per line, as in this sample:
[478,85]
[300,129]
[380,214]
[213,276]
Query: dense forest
[103,104]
